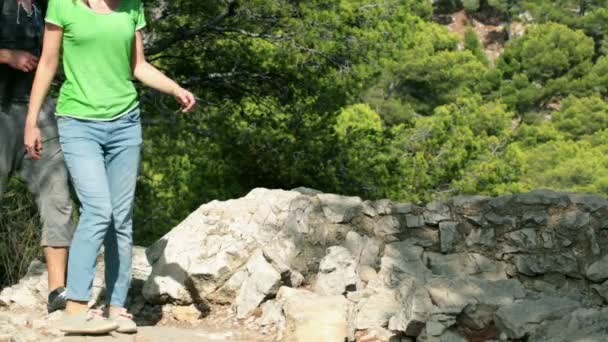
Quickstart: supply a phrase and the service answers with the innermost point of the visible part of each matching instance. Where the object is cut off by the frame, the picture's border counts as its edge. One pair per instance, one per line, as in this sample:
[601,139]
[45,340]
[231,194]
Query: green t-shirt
[97,51]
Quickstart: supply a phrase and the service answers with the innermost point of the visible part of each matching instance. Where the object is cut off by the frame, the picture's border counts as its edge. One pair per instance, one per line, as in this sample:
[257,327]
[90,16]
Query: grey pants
[47,178]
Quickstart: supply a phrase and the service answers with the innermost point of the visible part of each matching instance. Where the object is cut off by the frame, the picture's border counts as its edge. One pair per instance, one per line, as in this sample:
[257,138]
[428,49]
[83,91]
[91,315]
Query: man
[21,30]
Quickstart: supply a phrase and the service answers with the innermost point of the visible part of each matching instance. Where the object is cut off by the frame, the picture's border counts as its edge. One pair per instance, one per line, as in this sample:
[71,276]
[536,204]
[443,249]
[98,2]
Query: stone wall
[526,267]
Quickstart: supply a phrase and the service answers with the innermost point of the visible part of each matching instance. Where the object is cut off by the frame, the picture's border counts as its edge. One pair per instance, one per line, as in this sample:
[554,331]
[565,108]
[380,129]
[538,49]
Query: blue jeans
[103,160]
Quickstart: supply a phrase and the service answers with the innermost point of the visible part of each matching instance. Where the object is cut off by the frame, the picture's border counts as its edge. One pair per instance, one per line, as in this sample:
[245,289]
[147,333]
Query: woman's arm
[47,67]
[152,77]
[20,60]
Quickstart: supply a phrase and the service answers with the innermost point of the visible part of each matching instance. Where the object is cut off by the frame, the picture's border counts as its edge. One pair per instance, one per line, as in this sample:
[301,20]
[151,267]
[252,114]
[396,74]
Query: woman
[100,133]
[21,29]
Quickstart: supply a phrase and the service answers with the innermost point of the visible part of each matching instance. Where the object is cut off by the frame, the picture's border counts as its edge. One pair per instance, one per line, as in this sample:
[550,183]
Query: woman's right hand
[33,141]
[185,98]
[22,61]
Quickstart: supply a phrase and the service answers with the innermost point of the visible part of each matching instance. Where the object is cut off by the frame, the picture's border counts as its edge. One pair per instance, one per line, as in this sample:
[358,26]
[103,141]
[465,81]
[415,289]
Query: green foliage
[271,77]
[589,15]
[19,233]
[548,62]
[367,164]
[422,9]
[582,116]
[507,7]
[566,165]
[358,117]
[472,43]
[369,99]
[471,5]
[547,52]
[430,72]
[438,152]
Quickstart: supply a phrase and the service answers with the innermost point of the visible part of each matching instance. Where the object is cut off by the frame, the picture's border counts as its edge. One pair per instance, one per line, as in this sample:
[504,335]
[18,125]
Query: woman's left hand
[185,98]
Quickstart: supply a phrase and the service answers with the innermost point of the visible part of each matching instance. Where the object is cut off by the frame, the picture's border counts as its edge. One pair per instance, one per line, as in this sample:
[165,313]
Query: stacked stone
[325,267]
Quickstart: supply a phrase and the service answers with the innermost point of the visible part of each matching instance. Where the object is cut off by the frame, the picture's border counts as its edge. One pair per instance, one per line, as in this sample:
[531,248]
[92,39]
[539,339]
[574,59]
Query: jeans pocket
[62,120]
[134,116]
[65,128]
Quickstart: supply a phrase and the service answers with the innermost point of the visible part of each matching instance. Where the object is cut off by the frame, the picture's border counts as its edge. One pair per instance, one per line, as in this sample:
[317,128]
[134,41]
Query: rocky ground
[306,266]
[492,33]
[24,318]
[177,324]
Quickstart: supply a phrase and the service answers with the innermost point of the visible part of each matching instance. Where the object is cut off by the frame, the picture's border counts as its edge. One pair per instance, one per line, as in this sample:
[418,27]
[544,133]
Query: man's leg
[55,206]
[8,144]
[56,263]
[50,179]
[47,178]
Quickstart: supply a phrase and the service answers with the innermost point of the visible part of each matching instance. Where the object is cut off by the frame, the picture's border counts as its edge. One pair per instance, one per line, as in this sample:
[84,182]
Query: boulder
[188,313]
[229,290]
[376,310]
[578,325]
[496,219]
[204,251]
[575,219]
[602,290]
[386,226]
[436,212]
[402,260]
[365,250]
[383,206]
[340,209]
[415,307]
[272,313]
[534,218]
[452,295]
[368,209]
[481,236]
[31,289]
[469,205]
[465,264]
[542,197]
[598,271]
[588,202]
[414,221]
[523,239]
[262,280]
[313,317]
[477,317]
[520,319]
[537,264]
[448,231]
[337,272]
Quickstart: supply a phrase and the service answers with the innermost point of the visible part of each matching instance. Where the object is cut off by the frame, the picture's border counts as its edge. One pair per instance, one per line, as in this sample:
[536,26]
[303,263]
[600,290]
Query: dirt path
[222,325]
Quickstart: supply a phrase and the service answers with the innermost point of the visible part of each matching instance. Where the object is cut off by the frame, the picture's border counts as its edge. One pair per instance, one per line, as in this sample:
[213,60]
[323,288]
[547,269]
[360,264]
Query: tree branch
[186,34]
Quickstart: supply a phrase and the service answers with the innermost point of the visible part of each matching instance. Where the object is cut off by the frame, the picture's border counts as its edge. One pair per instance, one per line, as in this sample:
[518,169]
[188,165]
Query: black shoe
[57,300]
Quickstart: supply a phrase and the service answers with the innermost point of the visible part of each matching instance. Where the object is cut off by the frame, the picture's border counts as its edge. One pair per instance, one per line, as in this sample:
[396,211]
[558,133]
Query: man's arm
[20,60]
[5,56]
[16,59]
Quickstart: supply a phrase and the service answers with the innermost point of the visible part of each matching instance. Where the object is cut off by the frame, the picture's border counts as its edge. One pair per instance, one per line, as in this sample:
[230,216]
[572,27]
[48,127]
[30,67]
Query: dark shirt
[18,31]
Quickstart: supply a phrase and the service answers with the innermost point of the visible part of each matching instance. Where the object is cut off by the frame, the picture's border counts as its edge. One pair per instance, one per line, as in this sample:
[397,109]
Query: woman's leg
[122,164]
[82,144]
